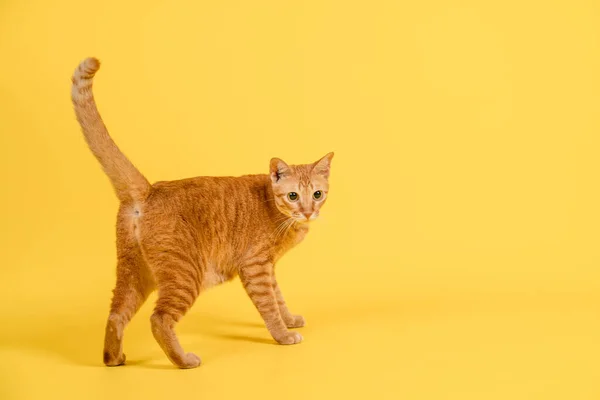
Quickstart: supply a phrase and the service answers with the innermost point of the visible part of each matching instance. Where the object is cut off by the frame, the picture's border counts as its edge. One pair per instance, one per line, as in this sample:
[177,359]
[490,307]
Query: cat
[182,237]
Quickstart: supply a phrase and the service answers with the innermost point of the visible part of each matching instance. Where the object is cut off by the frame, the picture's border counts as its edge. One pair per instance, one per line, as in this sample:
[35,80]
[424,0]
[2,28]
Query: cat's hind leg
[178,283]
[134,284]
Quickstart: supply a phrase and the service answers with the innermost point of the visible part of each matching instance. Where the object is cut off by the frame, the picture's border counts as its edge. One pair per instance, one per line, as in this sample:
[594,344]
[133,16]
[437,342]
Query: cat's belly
[215,276]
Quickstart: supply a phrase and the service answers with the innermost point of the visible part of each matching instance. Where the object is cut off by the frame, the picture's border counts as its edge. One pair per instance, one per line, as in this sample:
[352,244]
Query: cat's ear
[279,170]
[322,166]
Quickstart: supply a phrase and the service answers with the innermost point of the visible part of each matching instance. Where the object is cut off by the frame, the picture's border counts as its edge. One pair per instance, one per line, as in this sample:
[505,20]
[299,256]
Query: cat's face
[300,190]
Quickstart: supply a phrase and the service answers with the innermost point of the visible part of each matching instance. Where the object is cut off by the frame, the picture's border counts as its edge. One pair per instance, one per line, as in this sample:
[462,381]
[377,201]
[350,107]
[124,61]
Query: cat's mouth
[305,217]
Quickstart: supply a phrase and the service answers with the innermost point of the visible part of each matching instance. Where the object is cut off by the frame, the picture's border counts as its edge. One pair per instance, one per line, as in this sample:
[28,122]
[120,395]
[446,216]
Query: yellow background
[457,257]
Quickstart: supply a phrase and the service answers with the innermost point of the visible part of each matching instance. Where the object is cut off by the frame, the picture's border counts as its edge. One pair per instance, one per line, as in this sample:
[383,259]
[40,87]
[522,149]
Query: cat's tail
[128,182]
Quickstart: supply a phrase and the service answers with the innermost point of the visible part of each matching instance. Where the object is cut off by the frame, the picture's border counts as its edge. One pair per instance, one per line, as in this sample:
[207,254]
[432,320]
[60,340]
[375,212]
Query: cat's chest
[299,235]
[291,239]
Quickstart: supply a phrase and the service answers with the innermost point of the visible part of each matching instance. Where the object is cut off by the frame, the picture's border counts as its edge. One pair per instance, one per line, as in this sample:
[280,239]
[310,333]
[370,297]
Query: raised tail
[128,182]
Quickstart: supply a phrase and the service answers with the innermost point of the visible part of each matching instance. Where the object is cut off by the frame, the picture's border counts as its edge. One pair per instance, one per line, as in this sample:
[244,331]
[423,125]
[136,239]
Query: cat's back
[208,193]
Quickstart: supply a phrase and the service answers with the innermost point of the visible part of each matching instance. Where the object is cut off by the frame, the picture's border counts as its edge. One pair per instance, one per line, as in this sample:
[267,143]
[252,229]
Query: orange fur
[181,237]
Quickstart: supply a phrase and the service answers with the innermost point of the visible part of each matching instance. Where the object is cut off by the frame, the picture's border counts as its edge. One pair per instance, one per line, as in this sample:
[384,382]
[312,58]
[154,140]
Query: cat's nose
[307,215]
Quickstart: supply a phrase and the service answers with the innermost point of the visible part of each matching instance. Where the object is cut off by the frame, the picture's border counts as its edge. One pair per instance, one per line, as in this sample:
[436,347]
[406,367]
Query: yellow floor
[469,346]
[458,254]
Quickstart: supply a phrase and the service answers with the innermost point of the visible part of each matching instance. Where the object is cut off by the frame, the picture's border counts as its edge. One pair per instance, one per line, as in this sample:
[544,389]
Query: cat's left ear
[322,166]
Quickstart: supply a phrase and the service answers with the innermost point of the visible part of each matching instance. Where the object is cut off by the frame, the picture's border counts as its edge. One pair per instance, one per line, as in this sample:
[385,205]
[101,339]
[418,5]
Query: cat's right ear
[279,170]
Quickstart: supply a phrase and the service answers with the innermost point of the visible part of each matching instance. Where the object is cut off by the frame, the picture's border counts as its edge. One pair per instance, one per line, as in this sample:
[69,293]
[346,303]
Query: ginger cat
[182,237]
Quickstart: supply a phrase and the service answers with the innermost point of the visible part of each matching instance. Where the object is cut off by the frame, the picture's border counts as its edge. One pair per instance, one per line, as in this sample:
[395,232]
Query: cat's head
[300,190]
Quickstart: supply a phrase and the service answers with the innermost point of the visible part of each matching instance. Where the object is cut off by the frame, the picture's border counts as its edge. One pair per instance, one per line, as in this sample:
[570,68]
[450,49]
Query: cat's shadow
[213,326]
[211,320]
[81,344]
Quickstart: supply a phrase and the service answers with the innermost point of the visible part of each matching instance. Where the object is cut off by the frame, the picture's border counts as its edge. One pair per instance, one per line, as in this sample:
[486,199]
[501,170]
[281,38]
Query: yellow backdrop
[457,257]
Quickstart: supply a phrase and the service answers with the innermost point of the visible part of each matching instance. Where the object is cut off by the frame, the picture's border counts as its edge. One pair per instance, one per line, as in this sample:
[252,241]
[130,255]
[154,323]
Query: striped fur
[182,237]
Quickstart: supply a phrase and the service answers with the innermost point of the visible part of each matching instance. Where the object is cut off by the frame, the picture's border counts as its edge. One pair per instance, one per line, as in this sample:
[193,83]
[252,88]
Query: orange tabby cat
[181,237]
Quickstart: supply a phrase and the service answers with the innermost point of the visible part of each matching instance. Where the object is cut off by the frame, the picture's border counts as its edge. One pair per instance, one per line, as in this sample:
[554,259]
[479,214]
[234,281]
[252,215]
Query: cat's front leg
[291,321]
[258,282]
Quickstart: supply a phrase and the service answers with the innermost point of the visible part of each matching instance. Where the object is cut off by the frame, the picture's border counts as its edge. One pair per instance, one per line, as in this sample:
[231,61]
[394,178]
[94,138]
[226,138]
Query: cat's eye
[317,195]
[293,196]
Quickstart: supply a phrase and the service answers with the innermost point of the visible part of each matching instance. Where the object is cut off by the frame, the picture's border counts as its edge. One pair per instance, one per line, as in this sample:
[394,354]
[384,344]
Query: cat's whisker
[279,231]
[281,228]
[283,217]
[289,226]
[274,233]
[281,221]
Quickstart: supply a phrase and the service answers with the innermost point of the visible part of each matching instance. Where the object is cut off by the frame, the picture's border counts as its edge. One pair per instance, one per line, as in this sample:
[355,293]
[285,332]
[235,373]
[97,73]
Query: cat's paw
[288,337]
[113,361]
[190,361]
[296,321]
